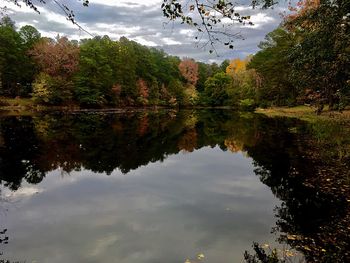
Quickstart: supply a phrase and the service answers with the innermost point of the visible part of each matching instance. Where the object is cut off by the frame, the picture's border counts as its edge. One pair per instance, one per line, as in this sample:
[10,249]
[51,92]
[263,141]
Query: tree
[143,91]
[125,68]
[189,70]
[204,72]
[272,64]
[56,57]
[16,70]
[30,36]
[244,83]
[58,61]
[320,61]
[177,92]
[236,65]
[224,65]
[215,92]
[96,76]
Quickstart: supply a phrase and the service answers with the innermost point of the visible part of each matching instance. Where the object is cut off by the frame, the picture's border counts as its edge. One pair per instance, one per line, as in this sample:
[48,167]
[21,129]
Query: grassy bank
[306,113]
[26,106]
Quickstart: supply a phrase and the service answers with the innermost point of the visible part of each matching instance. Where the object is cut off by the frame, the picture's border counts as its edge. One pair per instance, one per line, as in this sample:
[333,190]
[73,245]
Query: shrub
[51,90]
[247,105]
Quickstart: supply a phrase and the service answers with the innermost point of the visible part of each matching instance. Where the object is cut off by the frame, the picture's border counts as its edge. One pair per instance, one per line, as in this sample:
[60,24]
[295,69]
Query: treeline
[307,59]
[95,72]
[304,61]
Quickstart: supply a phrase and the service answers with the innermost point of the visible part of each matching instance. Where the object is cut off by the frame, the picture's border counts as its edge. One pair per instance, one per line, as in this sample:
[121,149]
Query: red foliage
[143,88]
[143,126]
[56,58]
[302,8]
[189,70]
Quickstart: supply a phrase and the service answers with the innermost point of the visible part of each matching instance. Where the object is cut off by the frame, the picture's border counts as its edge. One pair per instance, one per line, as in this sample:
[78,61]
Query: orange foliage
[301,9]
[233,145]
[56,58]
[143,126]
[143,88]
[189,70]
[188,141]
[236,65]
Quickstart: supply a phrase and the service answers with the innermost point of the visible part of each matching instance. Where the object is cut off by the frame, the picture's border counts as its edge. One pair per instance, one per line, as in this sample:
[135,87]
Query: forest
[306,60]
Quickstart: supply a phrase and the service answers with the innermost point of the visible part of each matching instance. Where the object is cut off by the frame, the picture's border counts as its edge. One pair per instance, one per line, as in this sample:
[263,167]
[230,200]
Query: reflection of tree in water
[4,238]
[313,218]
[289,156]
[19,148]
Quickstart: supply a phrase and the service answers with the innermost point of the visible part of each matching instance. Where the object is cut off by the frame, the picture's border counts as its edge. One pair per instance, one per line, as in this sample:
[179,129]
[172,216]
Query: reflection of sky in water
[207,201]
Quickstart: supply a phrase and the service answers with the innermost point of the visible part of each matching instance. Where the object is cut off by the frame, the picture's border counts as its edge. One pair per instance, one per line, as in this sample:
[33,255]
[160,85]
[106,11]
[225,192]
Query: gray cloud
[143,22]
[157,213]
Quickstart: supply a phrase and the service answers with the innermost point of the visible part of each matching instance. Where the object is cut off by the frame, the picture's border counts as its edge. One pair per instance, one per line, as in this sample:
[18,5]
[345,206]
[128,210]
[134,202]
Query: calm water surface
[157,187]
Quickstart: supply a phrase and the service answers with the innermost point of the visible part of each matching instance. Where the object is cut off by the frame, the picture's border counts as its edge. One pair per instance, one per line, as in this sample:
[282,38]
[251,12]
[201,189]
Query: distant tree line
[95,72]
[304,61]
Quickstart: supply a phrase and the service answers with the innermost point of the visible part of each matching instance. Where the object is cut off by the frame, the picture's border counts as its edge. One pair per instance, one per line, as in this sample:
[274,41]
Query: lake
[171,186]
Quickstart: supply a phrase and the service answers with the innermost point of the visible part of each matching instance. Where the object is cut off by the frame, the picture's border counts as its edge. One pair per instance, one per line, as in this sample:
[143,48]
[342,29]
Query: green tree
[95,78]
[30,36]
[16,69]
[273,66]
[320,62]
[215,91]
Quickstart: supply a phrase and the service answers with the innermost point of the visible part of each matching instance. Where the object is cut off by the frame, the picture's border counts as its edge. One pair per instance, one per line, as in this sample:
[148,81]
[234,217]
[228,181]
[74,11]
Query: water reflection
[172,205]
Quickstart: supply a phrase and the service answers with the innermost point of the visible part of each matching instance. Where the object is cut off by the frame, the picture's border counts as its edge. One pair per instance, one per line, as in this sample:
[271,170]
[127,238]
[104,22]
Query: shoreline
[306,113]
[27,107]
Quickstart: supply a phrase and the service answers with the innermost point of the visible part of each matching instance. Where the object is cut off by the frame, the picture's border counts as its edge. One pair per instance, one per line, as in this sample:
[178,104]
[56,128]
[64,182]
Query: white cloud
[145,42]
[126,3]
[170,41]
[23,192]
[261,19]
[142,21]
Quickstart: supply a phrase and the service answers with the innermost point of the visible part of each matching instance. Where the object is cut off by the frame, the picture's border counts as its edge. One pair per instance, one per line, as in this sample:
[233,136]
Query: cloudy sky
[142,21]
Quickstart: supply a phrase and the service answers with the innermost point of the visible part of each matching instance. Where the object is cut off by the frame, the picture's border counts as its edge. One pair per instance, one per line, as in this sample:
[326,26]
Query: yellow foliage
[233,145]
[236,65]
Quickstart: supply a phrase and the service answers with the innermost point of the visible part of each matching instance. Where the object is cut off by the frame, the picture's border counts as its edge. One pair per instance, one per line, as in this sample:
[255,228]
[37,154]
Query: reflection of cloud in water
[171,211]
[23,192]
[101,245]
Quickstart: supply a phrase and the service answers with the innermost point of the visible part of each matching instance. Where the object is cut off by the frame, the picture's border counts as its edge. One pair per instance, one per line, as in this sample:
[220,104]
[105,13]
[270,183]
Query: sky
[143,22]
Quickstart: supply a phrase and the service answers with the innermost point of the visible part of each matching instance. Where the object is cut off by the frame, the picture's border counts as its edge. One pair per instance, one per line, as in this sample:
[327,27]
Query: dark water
[166,186]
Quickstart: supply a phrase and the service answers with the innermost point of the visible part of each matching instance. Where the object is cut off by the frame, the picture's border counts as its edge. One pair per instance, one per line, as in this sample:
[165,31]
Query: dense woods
[304,61]
[95,72]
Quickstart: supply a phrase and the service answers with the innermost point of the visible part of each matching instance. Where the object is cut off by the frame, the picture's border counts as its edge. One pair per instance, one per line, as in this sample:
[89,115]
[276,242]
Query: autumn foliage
[301,9]
[236,65]
[189,70]
[56,58]
[143,88]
